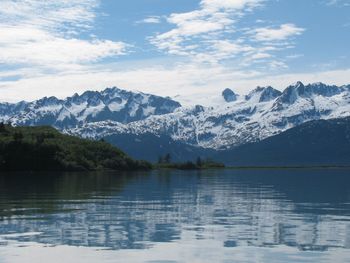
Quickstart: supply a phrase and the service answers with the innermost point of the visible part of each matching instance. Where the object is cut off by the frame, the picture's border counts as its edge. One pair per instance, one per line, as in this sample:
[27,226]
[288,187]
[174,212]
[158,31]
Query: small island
[43,148]
[165,162]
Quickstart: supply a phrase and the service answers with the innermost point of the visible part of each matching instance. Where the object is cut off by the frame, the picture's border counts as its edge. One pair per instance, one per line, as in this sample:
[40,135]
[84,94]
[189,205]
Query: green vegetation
[45,149]
[164,162]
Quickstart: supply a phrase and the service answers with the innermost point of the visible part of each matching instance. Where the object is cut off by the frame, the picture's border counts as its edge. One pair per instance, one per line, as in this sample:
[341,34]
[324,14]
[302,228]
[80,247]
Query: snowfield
[262,113]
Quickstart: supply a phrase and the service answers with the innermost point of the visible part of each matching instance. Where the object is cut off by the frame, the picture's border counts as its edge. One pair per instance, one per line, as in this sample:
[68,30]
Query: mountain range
[314,143]
[90,107]
[132,119]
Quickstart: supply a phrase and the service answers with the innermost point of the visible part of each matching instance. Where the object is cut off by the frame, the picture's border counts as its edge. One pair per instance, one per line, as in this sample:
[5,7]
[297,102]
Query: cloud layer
[46,48]
[45,34]
[196,84]
[210,34]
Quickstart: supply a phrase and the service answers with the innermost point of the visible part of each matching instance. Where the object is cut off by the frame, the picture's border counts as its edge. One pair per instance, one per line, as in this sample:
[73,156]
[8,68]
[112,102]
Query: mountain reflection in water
[202,212]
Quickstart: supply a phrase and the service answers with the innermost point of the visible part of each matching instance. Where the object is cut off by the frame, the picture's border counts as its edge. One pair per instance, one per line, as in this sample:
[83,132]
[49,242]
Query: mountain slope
[321,142]
[236,120]
[264,112]
[150,147]
[92,106]
[44,148]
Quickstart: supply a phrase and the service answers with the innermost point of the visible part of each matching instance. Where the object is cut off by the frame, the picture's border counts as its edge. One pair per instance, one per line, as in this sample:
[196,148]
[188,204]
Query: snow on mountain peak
[263,94]
[298,84]
[264,112]
[91,106]
[322,89]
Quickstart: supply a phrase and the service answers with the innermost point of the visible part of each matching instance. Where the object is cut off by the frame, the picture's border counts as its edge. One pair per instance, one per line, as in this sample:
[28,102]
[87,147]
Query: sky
[190,48]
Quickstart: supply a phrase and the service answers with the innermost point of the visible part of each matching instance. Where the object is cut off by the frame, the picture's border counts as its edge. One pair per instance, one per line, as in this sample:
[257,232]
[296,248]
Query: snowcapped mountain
[262,113]
[92,106]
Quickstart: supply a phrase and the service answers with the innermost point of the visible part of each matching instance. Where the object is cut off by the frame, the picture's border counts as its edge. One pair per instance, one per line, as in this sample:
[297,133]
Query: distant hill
[150,147]
[322,142]
[44,148]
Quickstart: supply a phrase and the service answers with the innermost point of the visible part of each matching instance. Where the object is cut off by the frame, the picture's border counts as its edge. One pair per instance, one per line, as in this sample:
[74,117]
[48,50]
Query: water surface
[172,216]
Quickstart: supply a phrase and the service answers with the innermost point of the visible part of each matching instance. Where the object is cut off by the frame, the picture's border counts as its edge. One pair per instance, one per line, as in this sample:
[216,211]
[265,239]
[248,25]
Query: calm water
[210,216]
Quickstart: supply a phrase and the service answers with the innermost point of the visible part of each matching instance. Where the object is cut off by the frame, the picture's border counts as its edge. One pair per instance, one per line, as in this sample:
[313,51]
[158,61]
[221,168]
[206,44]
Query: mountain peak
[298,84]
[264,112]
[46,101]
[229,95]
[263,94]
[111,90]
[322,89]
[91,106]
[292,93]
[318,84]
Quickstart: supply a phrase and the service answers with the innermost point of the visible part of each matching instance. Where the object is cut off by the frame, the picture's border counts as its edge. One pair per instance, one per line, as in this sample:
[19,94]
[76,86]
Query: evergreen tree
[199,162]
[167,158]
[39,138]
[2,127]
[44,148]
[18,136]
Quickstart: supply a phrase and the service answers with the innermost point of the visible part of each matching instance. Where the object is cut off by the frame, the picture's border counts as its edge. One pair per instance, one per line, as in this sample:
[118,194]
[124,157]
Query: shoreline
[329,167]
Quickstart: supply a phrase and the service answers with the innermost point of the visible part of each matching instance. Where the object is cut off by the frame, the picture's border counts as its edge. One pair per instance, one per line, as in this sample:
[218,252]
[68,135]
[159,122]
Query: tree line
[165,161]
[44,148]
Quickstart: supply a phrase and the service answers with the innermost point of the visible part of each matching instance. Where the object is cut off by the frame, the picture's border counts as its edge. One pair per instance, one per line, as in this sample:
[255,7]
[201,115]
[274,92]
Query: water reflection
[307,210]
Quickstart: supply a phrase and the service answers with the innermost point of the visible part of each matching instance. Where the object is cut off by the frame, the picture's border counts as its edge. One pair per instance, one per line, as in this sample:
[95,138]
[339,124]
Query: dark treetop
[44,148]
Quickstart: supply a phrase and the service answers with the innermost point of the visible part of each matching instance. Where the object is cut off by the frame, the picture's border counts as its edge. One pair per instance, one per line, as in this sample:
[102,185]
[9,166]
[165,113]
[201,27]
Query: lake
[291,215]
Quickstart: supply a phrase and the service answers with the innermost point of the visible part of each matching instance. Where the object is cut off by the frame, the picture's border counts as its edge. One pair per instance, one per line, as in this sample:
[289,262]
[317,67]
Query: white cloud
[207,25]
[229,4]
[33,46]
[150,20]
[260,56]
[275,64]
[283,32]
[338,2]
[44,33]
[40,39]
[294,56]
[48,13]
[227,47]
[190,80]
[210,34]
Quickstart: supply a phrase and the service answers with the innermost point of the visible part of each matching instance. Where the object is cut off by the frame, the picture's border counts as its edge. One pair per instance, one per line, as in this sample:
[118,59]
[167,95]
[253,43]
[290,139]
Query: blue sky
[186,47]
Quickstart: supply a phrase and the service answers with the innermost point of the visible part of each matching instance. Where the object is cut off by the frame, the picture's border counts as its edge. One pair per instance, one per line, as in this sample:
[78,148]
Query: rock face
[263,113]
[229,95]
[261,94]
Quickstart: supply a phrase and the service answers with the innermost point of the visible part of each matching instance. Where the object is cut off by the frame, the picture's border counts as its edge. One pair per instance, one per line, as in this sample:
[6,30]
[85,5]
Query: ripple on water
[210,216]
